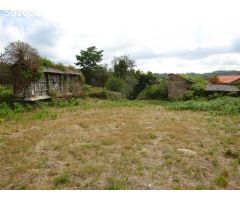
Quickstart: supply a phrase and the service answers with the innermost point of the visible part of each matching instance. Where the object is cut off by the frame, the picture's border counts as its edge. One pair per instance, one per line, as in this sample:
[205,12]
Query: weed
[222,179]
[115,184]
[62,179]
[231,154]
[44,114]
[221,105]
[152,136]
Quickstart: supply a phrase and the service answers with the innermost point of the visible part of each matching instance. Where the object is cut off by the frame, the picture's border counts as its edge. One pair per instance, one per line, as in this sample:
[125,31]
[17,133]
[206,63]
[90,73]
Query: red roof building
[228,79]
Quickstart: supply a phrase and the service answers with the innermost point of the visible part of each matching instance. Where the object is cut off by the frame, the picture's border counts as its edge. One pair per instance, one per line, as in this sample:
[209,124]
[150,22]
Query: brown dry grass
[120,147]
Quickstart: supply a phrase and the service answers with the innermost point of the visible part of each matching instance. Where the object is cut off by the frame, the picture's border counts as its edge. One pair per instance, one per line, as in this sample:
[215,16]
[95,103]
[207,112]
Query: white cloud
[163,36]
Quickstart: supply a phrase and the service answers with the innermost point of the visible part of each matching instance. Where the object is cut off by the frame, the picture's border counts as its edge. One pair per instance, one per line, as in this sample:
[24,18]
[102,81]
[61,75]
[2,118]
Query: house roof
[221,88]
[57,71]
[227,79]
[52,70]
[181,77]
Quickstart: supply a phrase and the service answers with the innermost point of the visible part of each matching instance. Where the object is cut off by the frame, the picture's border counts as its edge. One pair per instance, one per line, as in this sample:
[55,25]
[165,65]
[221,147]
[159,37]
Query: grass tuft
[62,179]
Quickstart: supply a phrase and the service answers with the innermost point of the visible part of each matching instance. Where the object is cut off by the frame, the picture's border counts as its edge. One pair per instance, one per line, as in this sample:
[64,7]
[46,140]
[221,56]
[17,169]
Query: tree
[25,63]
[122,65]
[144,80]
[88,61]
[47,63]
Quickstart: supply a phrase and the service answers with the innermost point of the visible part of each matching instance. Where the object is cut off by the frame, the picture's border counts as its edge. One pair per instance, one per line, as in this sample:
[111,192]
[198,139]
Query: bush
[62,179]
[6,94]
[158,91]
[101,93]
[231,154]
[116,85]
[222,105]
[197,90]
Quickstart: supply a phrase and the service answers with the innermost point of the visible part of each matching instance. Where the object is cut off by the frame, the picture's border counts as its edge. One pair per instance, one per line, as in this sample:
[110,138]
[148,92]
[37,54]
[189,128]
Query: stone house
[177,86]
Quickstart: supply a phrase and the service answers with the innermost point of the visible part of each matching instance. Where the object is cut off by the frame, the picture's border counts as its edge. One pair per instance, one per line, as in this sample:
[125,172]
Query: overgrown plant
[25,64]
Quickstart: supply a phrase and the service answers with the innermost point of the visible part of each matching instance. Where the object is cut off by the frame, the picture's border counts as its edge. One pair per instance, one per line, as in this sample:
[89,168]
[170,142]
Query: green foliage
[47,63]
[143,80]
[25,63]
[101,93]
[231,154]
[197,90]
[115,184]
[122,65]
[116,84]
[222,105]
[88,61]
[222,180]
[62,179]
[6,94]
[158,91]
[44,114]
[100,75]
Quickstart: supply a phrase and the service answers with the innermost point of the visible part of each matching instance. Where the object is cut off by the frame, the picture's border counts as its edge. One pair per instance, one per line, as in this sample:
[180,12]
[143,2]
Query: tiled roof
[227,79]
[221,88]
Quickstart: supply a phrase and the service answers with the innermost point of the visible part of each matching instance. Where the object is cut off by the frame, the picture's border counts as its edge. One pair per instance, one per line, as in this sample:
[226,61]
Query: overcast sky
[162,36]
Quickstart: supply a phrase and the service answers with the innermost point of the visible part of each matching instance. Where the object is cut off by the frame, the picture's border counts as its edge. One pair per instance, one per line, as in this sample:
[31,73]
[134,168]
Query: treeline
[121,76]
[25,65]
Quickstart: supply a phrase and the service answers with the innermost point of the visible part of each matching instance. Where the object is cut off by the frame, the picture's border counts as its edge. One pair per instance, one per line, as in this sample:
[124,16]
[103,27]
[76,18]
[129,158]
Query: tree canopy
[24,61]
[89,62]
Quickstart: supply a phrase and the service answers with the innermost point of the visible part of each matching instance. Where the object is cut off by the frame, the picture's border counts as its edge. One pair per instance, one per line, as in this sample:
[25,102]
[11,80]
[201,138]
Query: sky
[162,36]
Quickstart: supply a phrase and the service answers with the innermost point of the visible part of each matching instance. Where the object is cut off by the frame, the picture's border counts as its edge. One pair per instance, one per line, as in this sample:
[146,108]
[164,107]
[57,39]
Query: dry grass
[120,147]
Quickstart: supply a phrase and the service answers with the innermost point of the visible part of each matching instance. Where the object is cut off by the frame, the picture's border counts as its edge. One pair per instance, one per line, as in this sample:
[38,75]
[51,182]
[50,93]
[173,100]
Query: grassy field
[100,144]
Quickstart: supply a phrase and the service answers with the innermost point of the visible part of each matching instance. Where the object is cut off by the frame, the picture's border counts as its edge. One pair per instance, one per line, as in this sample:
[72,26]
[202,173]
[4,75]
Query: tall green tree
[122,65]
[89,62]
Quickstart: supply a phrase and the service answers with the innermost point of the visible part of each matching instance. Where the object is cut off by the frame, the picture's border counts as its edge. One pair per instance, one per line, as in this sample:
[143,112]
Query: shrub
[222,181]
[115,183]
[6,94]
[222,105]
[116,85]
[102,93]
[197,90]
[154,91]
[62,179]
[231,154]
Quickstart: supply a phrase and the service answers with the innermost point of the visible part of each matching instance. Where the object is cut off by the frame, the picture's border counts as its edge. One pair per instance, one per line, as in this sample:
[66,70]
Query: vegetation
[25,63]
[104,144]
[221,105]
[102,140]
[88,61]
[158,91]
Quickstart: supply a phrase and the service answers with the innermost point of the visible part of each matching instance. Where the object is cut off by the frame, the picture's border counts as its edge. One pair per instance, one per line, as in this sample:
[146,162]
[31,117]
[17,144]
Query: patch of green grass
[222,180]
[61,179]
[221,105]
[231,154]
[116,183]
[90,169]
[44,114]
[152,136]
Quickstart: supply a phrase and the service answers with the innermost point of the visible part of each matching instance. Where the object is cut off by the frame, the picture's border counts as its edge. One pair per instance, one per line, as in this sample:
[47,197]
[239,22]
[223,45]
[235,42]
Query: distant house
[227,79]
[54,82]
[177,86]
